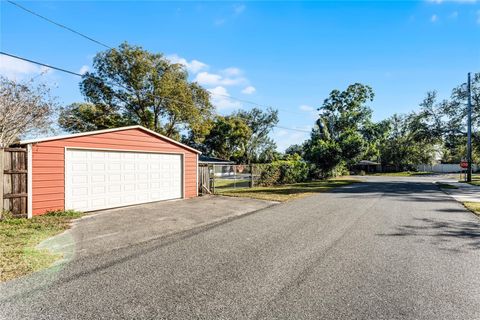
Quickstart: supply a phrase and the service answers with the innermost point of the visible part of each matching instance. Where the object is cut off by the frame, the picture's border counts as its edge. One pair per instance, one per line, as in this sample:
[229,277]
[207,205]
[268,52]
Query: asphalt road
[385,249]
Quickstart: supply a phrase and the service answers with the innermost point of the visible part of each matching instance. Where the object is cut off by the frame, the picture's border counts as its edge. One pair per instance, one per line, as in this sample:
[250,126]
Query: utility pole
[469,130]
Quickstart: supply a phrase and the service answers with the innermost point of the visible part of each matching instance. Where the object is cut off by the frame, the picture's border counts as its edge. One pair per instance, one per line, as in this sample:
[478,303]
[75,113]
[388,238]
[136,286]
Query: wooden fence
[205,183]
[13,181]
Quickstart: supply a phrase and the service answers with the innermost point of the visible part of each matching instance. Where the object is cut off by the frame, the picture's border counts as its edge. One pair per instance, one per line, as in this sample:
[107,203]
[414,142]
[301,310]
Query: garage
[108,169]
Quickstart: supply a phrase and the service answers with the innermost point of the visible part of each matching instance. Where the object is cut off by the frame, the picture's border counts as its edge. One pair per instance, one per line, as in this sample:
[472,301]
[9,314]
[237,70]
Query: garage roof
[109,130]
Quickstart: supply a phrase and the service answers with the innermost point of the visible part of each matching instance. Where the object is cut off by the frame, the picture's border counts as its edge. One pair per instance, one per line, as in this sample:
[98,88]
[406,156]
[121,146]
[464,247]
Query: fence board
[13,181]
[204,180]
[2,153]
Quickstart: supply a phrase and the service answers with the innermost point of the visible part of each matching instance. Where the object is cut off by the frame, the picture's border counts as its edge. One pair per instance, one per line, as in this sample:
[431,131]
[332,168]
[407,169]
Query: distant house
[202,159]
[219,167]
[367,166]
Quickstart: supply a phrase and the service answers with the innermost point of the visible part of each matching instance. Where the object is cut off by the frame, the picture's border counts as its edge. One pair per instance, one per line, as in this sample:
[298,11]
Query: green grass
[19,237]
[286,192]
[403,173]
[473,206]
[446,186]
[230,183]
[475,180]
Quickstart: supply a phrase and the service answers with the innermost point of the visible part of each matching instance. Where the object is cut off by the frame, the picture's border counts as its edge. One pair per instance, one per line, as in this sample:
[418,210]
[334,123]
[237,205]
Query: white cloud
[452,1]
[219,22]
[434,18]
[84,69]
[213,79]
[16,69]
[239,8]
[231,72]
[249,90]
[220,99]
[306,108]
[454,15]
[285,138]
[193,66]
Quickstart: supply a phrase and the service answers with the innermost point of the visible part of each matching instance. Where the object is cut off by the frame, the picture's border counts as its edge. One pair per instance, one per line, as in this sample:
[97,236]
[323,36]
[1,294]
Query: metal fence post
[251,176]
[213,178]
[235,177]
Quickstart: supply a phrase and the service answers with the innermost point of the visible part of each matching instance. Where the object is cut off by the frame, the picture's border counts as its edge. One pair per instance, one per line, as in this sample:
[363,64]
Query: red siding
[48,162]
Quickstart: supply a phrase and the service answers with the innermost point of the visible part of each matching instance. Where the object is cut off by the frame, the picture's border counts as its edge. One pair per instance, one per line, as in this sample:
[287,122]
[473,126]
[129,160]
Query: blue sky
[289,55]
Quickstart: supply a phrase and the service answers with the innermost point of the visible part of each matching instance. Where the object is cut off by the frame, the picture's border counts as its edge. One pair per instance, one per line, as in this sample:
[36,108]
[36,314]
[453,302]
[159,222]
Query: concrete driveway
[108,230]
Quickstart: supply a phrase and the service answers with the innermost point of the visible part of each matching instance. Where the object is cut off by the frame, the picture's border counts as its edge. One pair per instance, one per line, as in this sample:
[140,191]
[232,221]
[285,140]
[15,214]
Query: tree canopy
[243,136]
[25,108]
[130,85]
[345,133]
[339,137]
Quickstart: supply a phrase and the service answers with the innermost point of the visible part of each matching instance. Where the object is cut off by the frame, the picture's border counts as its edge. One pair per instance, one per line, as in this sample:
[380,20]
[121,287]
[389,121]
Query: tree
[227,138]
[444,123]
[403,148]
[259,147]
[338,138]
[131,85]
[25,109]
[295,149]
[81,117]
[455,113]
[375,135]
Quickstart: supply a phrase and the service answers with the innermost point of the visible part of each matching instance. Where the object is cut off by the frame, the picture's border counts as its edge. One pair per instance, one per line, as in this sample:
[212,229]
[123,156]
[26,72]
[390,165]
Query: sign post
[469,130]
[464,165]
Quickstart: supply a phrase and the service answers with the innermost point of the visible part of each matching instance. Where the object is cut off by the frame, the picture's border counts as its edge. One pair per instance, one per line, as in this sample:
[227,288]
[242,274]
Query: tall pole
[469,131]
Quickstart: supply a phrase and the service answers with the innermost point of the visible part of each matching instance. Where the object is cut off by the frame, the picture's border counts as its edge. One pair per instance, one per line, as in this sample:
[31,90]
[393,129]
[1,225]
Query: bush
[291,170]
[269,175]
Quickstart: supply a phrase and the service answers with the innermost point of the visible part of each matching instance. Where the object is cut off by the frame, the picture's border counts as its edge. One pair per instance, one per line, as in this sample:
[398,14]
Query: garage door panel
[98,166]
[78,179]
[105,179]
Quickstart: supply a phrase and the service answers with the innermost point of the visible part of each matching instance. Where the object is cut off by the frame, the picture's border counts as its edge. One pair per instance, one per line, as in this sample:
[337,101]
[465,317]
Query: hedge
[283,172]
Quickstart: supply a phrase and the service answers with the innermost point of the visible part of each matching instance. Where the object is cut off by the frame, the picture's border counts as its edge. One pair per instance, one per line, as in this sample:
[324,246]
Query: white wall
[443,168]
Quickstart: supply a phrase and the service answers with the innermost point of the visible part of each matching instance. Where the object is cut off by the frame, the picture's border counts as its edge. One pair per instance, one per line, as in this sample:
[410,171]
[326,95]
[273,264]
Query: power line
[59,24]
[87,75]
[109,47]
[41,64]
[80,75]
[255,103]
[292,129]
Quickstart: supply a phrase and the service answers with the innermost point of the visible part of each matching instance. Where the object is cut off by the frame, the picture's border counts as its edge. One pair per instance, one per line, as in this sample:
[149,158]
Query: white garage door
[106,179]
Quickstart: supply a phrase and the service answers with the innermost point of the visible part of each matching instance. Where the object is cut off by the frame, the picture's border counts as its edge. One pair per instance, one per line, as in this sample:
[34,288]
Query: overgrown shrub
[317,172]
[269,174]
[291,170]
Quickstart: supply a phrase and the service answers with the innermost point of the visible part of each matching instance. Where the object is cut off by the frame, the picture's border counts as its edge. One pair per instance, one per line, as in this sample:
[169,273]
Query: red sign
[463,164]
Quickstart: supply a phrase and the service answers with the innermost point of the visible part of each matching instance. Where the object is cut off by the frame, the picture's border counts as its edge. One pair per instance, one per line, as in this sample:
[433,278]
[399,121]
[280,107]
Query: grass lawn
[18,238]
[231,183]
[403,173]
[475,180]
[473,206]
[288,191]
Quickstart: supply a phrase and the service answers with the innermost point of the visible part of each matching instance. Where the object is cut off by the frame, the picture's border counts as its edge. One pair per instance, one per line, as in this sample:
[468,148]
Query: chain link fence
[213,178]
